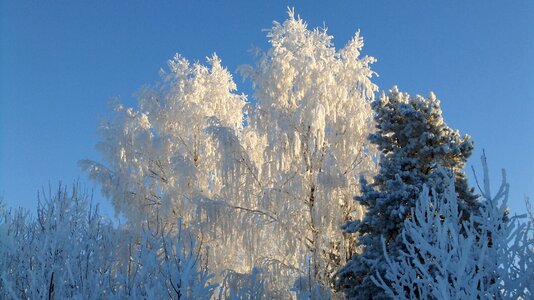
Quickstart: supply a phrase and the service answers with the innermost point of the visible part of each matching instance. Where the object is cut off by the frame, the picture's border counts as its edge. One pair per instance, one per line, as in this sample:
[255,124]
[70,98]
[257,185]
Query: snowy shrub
[66,252]
[447,257]
[244,286]
[305,287]
[70,251]
[163,264]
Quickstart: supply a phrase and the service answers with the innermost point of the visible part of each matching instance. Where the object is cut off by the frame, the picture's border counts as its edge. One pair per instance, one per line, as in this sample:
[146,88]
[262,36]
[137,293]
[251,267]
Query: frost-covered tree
[447,257]
[70,251]
[414,142]
[264,184]
[174,156]
[308,135]
[163,155]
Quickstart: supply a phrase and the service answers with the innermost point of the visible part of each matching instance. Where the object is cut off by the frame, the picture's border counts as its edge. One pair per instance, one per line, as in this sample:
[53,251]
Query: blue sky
[61,61]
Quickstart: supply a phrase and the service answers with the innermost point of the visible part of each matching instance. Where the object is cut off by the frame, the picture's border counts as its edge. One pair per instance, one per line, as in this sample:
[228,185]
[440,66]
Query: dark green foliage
[413,141]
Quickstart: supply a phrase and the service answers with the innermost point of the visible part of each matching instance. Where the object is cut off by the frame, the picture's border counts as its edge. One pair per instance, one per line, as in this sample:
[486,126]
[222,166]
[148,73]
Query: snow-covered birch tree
[308,132]
[165,159]
[264,184]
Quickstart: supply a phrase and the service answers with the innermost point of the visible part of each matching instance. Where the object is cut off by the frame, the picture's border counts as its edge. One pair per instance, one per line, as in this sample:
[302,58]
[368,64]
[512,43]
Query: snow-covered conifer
[414,142]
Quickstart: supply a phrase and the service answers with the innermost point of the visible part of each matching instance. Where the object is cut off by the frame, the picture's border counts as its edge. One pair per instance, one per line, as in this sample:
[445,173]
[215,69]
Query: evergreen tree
[414,142]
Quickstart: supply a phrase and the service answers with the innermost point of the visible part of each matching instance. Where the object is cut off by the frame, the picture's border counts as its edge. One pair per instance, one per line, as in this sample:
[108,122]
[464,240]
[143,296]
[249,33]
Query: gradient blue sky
[61,61]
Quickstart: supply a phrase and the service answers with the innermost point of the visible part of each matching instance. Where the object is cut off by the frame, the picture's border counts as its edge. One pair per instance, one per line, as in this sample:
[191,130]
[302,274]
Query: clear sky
[61,61]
